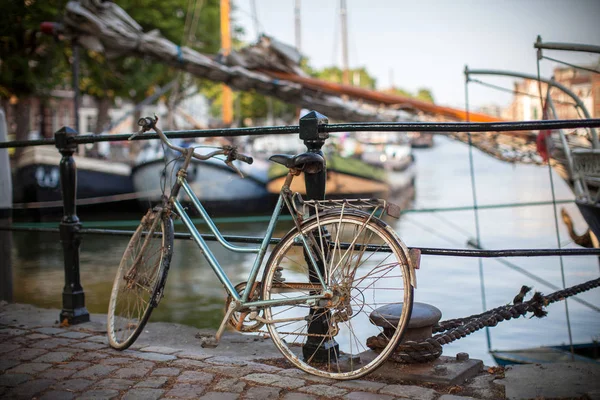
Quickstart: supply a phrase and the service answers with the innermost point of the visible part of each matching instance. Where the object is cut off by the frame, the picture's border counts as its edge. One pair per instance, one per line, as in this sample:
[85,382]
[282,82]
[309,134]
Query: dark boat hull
[36,183]
[591,214]
[584,352]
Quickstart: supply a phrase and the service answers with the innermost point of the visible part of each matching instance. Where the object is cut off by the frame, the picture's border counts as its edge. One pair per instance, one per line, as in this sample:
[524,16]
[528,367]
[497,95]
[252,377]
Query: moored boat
[218,187]
[37,180]
[583,352]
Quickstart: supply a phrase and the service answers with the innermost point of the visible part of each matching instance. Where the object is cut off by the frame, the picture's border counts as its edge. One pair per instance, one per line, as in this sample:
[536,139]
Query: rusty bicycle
[320,287]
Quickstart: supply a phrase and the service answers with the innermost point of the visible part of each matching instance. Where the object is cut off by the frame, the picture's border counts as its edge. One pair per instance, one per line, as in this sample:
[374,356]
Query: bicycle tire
[134,297]
[345,274]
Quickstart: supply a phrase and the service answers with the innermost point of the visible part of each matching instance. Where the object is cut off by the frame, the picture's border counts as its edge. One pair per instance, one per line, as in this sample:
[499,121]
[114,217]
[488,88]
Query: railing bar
[446,128]
[424,250]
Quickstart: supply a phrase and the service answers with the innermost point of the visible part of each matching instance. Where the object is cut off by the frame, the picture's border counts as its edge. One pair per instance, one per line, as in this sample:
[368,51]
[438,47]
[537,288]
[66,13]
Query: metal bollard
[314,140]
[73,310]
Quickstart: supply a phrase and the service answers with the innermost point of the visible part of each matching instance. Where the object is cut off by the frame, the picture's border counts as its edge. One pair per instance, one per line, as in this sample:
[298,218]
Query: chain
[431,348]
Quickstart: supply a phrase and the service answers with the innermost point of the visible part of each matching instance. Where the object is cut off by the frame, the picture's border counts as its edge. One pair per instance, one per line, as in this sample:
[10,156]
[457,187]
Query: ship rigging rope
[514,91]
[454,329]
[571,65]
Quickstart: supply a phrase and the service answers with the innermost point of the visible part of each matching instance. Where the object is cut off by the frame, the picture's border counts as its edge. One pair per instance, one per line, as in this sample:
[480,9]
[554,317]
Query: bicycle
[321,284]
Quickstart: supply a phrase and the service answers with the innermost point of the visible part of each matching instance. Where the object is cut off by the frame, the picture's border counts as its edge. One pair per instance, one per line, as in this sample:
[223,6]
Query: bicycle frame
[241,301]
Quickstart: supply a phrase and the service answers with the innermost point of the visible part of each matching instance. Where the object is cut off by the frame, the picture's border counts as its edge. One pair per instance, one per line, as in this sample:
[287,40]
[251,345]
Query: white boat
[218,187]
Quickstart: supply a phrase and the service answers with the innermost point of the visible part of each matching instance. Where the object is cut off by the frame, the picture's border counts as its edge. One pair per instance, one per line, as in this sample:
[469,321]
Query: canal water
[195,297]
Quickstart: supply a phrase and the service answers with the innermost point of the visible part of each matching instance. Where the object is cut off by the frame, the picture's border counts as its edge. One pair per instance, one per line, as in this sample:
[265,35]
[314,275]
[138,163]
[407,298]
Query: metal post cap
[422,315]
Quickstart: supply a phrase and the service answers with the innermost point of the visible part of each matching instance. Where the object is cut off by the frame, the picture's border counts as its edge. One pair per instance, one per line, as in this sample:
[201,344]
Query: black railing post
[73,310]
[315,348]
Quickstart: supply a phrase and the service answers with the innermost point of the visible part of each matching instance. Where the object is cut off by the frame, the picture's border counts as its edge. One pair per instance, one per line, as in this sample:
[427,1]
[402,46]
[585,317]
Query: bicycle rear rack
[303,207]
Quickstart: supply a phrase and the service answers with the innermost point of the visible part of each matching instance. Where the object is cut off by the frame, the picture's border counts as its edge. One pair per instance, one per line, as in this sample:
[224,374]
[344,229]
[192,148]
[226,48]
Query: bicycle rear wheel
[365,266]
[140,279]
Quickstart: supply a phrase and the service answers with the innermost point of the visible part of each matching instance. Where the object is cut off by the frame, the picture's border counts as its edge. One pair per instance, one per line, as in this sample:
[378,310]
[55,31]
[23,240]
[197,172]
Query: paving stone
[367,396]
[78,365]
[227,361]
[50,331]
[323,390]
[195,377]
[149,356]
[98,339]
[95,371]
[92,355]
[17,340]
[57,395]
[74,335]
[12,332]
[220,396]
[52,343]
[230,385]
[89,346]
[57,374]
[234,372]
[298,396]
[153,382]
[24,354]
[54,357]
[453,397]
[296,373]
[13,379]
[37,336]
[72,350]
[115,361]
[159,349]
[73,385]
[6,347]
[143,394]
[409,392]
[31,388]
[186,391]
[131,372]
[262,393]
[367,386]
[99,394]
[194,355]
[111,383]
[6,364]
[187,363]
[29,368]
[166,371]
[276,380]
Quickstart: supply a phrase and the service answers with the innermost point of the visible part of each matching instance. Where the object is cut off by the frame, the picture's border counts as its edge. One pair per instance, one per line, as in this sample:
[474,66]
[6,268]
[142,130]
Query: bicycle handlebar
[147,123]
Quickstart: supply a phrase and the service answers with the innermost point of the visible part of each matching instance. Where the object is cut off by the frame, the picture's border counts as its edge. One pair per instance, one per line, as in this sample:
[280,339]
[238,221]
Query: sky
[427,43]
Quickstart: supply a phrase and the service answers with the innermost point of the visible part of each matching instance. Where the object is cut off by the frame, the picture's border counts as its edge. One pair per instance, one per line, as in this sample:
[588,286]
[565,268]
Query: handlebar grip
[244,158]
[146,123]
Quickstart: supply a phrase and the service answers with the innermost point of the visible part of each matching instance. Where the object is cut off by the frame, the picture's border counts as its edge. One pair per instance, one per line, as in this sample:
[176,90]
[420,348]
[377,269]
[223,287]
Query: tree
[30,62]
[358,76]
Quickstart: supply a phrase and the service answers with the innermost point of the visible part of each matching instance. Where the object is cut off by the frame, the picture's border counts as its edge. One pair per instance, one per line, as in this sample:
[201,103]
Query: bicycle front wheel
[140,279]
[365,266]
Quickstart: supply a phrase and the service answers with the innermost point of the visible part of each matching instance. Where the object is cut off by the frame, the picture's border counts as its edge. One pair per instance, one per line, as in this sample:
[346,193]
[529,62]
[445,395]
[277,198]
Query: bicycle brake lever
[230,164]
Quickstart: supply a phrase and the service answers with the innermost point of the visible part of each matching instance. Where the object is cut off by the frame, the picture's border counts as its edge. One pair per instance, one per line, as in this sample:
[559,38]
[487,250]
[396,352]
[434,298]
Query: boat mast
[344,24]
[297,26]
[226,49]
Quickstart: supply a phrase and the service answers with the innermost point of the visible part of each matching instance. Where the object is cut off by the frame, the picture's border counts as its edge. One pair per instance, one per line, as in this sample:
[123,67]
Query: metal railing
[313,130]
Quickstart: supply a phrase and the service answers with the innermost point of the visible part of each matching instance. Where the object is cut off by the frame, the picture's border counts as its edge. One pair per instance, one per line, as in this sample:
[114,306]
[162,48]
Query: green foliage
[357,76]
[422,94]
[30,62]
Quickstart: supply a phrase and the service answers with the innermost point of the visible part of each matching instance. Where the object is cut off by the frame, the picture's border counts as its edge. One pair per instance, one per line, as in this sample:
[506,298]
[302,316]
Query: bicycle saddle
[307,162]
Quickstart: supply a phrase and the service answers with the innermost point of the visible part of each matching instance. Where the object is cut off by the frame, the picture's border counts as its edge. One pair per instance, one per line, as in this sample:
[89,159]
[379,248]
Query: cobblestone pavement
[39,359]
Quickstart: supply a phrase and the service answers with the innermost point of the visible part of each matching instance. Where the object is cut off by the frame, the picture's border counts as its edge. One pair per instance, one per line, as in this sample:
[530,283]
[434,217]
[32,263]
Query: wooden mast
[226,48]
[344,24]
